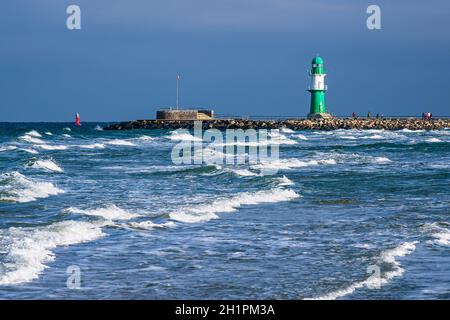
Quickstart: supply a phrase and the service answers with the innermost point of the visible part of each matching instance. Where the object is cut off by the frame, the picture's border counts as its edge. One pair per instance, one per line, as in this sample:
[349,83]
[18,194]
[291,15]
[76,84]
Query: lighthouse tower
[317,90]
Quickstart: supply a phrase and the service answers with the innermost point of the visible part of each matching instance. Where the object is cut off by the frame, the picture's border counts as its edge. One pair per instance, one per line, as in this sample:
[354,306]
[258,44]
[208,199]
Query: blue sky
[243,57]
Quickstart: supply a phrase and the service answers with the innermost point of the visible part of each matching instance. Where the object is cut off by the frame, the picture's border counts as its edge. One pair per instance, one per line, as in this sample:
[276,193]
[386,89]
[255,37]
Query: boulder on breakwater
[294,124]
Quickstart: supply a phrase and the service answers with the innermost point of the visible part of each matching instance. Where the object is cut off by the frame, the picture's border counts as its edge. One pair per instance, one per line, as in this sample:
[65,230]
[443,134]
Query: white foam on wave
[65,135]
[440,232]
[52,147]
[67,129]
[182,136]
[278,138]
[48,165]
[98,128]
[413,131]
[354,158]
[148,225]
[15,187]
[387,257]
[48,133]
[375,137]
[145,138]
[433,140]
[7,148]
[33,133]
[31,139]
[286,130]
[120,142]
[301,136]
[285,181]
[110,212]
[381,160]
[32,151]
[292,163]
[274,138]
[92,146]
[242,172]
[208,211]
[29,249]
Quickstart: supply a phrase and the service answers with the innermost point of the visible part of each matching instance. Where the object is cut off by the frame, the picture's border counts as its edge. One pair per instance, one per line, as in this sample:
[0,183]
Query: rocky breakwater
[294,124]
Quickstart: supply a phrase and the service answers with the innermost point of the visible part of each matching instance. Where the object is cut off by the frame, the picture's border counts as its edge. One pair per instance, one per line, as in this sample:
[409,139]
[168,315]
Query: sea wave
[237,171]
[148,225]
[31,139]
[120,142]
[439,231]
[33,133]
[208,211]
[92,146]
[52,147]
[7,148]
[15,187]
[412,131]
[292,163]
[48,165]
[29,249]
[285,181]
[301,136]
[110,212]
[32,151]
[145,138]
[182,136]
[286,130]
[386,257]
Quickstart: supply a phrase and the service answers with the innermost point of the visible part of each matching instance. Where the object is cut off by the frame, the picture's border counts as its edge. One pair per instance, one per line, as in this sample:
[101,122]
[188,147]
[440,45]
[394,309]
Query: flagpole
[177,89]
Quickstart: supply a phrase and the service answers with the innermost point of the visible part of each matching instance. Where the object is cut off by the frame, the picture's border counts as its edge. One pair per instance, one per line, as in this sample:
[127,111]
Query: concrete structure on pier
[184,114]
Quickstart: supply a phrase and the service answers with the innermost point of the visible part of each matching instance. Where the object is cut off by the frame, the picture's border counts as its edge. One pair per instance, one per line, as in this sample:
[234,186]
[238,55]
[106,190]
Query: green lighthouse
[317,90]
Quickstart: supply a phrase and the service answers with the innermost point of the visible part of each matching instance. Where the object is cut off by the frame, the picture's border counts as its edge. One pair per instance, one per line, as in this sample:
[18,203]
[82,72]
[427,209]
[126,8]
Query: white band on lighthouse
[318,82]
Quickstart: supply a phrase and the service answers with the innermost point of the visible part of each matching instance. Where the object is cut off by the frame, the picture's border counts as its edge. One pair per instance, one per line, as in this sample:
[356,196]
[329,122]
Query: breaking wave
[292,163]
[33,133]
[286,130]
[7,148]
[48,165]
[92,146]
[148,225]
[208,211]
[386,257]
[285,181]
[15,187]
[111,212]
[31,139]
[52,147]
[120,142]
[182,136]
[301,137]
[29,249]
[440,232]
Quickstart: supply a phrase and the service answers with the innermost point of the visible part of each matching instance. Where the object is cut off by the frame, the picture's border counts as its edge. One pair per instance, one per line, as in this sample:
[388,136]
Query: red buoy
[77,120]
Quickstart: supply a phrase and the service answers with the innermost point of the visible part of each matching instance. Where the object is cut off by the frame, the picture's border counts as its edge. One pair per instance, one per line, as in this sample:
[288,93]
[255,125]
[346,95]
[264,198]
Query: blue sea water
[115,207]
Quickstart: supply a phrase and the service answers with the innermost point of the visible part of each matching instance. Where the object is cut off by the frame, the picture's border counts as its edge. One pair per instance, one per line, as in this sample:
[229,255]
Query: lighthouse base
[320,116]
